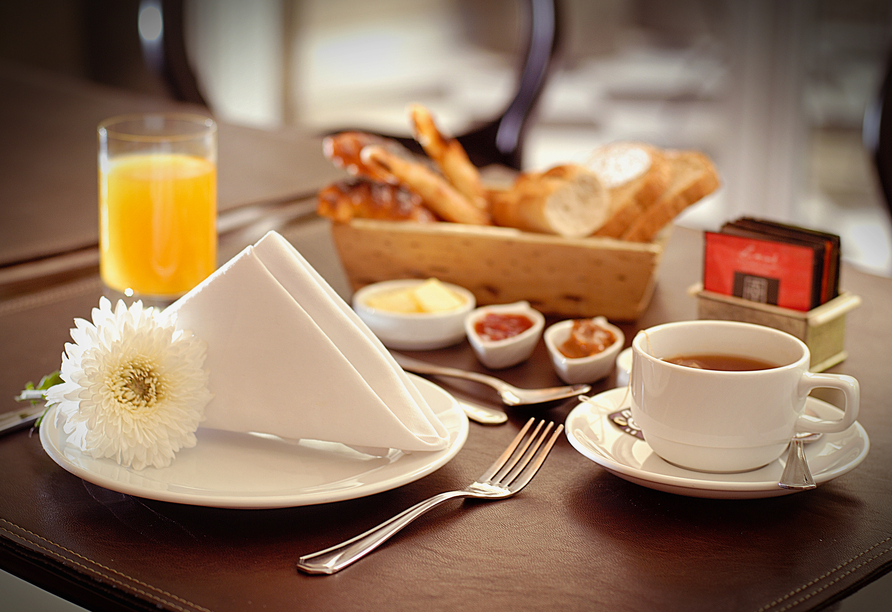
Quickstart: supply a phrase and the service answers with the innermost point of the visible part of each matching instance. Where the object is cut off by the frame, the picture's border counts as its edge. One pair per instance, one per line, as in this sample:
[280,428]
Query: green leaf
[54,378]
[50,380]
[39,419]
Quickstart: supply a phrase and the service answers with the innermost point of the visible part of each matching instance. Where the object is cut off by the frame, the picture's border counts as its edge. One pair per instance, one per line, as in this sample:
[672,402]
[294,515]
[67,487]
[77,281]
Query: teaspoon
[483,415]
[510,395]
[796,474]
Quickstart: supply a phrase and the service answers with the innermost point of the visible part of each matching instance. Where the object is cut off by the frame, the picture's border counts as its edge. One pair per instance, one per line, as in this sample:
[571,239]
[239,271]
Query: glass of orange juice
[157,204]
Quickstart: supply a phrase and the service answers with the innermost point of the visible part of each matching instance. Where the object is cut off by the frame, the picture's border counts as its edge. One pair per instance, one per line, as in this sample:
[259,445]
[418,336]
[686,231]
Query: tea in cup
[727,396]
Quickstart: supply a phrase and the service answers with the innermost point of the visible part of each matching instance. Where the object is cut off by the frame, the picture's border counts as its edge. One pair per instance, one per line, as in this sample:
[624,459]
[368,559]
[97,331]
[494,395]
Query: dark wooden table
[577,538]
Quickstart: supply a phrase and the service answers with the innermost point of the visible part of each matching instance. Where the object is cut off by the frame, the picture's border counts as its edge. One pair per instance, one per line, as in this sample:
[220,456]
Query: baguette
[693,177]
[566,200]
[635,175]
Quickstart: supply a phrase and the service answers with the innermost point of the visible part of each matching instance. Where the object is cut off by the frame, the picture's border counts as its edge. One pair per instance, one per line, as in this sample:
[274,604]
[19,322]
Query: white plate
[593,434]
[232,470]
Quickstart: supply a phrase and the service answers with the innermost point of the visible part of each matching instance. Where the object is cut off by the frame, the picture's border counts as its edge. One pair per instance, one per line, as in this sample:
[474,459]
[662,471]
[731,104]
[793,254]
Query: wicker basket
[566,277]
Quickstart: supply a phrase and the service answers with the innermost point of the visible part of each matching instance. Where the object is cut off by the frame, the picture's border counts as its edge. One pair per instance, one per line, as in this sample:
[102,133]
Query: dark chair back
[877,135]
[166,55]
[500,140]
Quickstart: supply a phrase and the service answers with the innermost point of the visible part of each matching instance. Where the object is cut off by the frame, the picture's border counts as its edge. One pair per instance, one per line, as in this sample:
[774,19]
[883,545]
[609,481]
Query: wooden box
[822,328]
[581,277]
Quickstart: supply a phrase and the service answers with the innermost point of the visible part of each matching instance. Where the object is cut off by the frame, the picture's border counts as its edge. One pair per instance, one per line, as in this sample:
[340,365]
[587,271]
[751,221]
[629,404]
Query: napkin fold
[287,356]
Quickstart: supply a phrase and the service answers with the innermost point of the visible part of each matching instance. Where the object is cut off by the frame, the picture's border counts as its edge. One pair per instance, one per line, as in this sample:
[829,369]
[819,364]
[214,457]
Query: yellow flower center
[136,385]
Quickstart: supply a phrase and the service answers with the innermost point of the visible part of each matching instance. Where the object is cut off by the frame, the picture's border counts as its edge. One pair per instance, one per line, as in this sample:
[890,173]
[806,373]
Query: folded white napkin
[287,356]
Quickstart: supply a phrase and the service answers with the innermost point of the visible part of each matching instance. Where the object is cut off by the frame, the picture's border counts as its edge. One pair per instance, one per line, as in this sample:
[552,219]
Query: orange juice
[157,223]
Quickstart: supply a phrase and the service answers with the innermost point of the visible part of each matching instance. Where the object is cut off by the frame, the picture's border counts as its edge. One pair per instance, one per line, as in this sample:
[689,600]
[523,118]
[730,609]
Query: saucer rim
[692,485]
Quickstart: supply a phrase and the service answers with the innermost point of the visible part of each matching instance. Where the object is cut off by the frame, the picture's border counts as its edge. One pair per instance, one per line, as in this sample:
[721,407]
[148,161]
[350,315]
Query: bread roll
[566,200]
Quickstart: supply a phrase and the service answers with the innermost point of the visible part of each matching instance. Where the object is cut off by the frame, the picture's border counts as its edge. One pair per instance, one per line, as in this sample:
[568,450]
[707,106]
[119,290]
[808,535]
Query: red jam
[586,339]
[493,326]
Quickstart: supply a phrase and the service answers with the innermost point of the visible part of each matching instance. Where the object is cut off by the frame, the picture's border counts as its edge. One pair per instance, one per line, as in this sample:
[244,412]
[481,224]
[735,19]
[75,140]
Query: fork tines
[524,456]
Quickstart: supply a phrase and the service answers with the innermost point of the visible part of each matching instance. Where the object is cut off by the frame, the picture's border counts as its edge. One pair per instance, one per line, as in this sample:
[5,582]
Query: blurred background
[775,92]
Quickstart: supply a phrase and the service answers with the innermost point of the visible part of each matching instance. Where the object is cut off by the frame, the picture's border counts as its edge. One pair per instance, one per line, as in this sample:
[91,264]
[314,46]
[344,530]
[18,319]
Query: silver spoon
[796,474]
[511,395]
[481,414]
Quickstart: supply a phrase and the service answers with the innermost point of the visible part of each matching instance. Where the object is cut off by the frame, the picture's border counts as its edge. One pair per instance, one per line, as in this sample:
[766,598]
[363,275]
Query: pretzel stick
[344,149]
[437,193]
[365,199]
[449,155]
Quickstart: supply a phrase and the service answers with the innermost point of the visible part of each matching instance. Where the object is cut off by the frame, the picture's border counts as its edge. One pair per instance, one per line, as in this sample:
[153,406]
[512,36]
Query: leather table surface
[578,538]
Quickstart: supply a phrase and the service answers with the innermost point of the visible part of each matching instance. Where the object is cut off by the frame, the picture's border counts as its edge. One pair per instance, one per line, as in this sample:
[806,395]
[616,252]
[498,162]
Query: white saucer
[231,470]
[596,437]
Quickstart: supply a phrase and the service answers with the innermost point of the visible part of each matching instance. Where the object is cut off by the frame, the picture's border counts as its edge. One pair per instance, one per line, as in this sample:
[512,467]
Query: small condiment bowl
[417,331]
[582,369]
[498,354]
[624,367]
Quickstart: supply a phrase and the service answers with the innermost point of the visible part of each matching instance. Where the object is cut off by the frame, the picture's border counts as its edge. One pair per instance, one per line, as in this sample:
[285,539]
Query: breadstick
[438,195]
[449,155]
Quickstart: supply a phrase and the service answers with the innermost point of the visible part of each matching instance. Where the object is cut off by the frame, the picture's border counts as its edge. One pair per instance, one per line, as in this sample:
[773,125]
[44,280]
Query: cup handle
[850,388]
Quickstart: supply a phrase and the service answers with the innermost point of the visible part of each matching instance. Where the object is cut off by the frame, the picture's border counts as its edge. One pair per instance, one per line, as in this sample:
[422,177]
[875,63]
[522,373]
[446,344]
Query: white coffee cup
[727,421]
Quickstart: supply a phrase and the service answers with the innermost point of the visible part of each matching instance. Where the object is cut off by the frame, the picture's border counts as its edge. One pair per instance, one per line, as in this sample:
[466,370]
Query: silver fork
[511,395]
[510,473]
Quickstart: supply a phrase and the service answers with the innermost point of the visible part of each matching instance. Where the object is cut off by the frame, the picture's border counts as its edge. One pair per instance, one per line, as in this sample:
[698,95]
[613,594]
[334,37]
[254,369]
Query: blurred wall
[774,91]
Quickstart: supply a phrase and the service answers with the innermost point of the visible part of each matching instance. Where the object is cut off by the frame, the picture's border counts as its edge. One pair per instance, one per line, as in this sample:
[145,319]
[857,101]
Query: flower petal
[135,388]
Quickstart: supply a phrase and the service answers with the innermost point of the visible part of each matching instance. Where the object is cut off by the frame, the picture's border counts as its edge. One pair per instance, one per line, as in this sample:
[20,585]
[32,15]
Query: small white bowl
[413,331]
[624,368]
[583,369]
[498,354]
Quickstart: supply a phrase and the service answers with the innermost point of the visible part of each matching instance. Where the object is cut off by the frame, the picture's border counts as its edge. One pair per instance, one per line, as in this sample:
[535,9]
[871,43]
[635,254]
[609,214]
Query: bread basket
[565,277]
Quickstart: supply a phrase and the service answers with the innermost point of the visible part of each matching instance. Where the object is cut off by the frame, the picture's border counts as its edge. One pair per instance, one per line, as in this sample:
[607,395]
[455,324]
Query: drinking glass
[157,203]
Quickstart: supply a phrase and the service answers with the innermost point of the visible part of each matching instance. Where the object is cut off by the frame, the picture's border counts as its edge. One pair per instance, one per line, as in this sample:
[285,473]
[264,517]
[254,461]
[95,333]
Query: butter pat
[428,297]
[433,296]
[393,301]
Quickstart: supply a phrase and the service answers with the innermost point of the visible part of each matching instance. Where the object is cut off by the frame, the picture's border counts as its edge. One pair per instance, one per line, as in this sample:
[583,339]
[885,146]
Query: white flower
[135,388]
